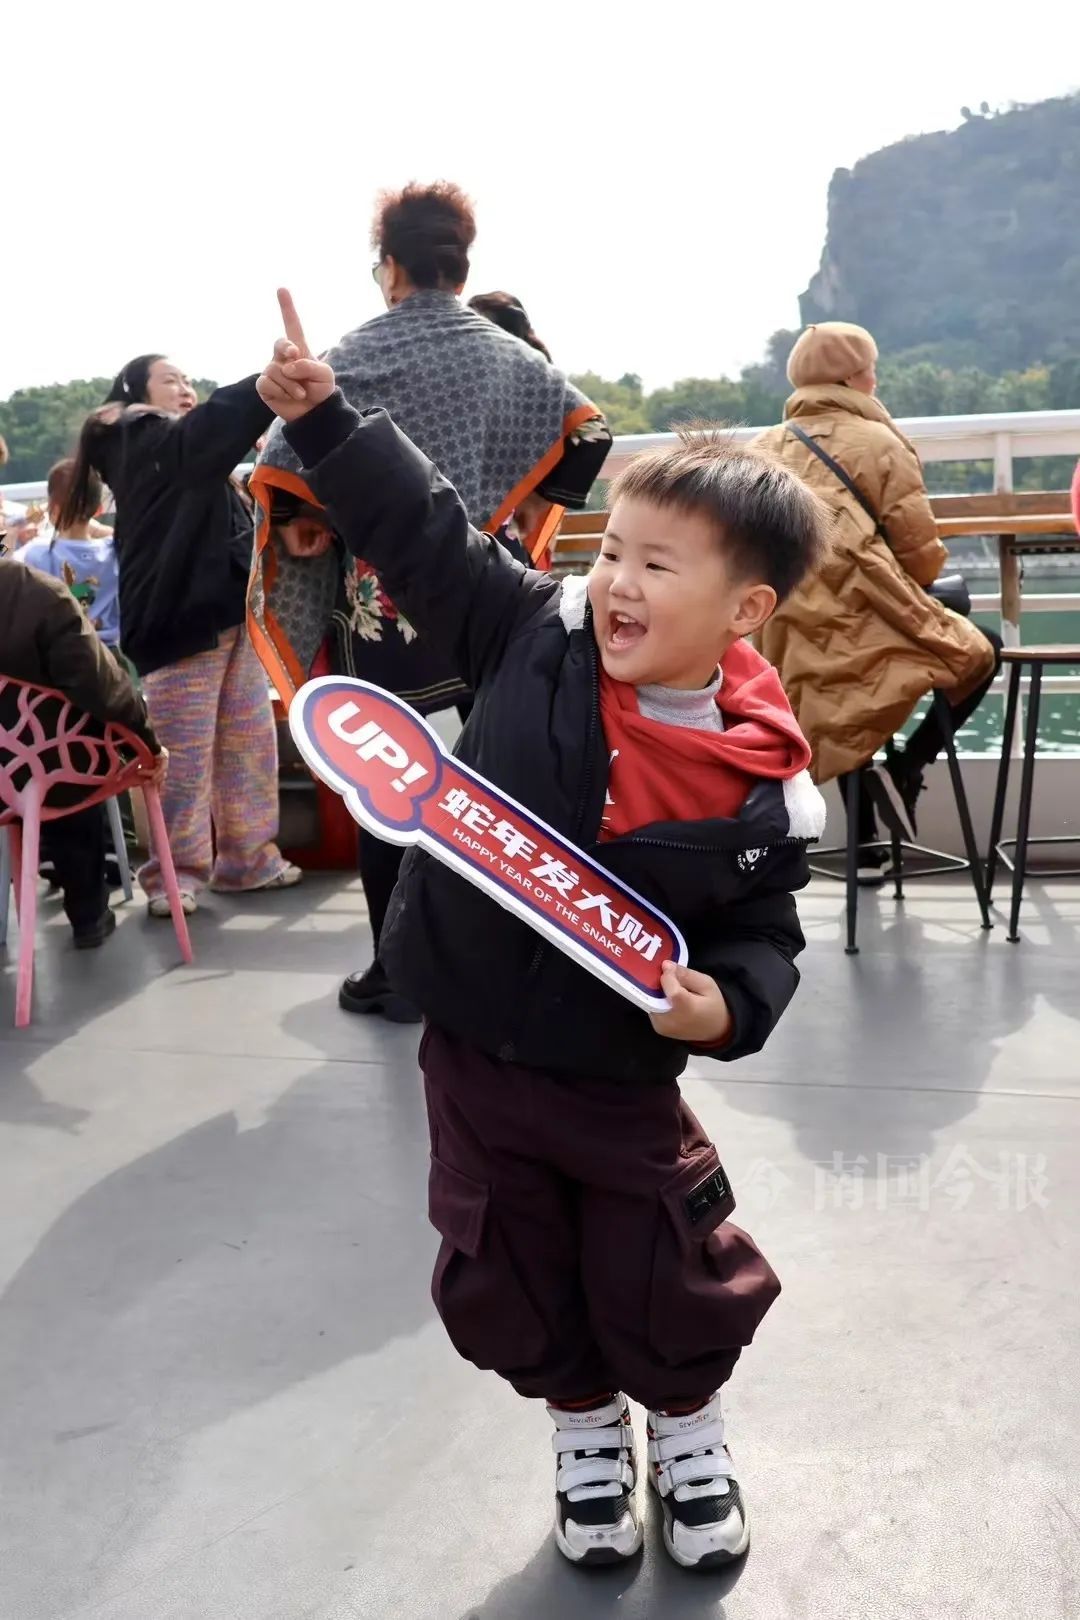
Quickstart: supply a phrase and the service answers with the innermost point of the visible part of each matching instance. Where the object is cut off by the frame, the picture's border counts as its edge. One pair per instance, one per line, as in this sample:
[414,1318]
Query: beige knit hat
[830,352]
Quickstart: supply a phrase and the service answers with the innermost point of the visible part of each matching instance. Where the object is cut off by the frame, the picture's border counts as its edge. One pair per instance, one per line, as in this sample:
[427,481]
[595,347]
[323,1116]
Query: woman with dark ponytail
[509,313]
[183,543]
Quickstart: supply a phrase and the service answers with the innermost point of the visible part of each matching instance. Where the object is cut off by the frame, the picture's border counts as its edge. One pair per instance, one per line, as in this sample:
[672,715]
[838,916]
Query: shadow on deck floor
[225,1394]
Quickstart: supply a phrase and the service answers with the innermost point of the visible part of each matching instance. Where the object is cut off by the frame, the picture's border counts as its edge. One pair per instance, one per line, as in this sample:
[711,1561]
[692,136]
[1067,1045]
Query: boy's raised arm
[395,510]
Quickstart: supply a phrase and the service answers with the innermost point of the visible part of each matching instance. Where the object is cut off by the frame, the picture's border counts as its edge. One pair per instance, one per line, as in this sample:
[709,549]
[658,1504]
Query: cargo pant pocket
[476,1286]
[705,1293]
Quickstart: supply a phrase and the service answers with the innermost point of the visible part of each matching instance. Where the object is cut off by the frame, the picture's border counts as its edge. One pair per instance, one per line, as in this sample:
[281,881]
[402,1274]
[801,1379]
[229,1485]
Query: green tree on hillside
[621,401]
[42,424]
[772,371]
[707,399]
[1064,385]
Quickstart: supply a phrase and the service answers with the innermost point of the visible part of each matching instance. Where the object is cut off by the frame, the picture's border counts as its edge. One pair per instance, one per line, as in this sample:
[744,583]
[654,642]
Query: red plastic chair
[60,747]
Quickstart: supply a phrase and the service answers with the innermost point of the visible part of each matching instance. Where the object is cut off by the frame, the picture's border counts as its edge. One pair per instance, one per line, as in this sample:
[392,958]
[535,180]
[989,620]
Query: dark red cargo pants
[586,1245]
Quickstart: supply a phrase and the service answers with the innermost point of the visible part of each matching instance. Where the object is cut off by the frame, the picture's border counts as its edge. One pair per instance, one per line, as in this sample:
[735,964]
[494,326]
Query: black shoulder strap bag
[950,590]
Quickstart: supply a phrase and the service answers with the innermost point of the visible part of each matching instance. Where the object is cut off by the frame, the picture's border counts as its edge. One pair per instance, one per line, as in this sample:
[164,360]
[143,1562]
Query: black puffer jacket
[183,532]
[524,643]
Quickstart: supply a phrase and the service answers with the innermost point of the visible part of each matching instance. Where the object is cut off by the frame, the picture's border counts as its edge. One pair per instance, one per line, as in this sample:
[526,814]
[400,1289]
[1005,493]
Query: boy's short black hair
[773,527]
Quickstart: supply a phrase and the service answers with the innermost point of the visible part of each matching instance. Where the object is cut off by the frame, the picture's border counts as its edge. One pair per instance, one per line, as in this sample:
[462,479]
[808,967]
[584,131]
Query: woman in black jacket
[183,542]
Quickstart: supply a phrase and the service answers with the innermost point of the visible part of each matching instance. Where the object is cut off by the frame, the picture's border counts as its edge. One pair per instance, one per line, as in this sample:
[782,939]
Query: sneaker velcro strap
[589,1440]
[593,1471]
[712,1473]
[666,1446]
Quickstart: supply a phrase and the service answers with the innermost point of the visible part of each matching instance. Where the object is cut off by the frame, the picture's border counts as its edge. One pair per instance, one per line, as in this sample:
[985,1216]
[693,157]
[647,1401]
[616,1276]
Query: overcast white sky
[654,190]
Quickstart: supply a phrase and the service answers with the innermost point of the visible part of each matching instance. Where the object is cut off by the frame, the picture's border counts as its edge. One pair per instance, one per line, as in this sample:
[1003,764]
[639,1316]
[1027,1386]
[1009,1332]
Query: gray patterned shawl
[491,413]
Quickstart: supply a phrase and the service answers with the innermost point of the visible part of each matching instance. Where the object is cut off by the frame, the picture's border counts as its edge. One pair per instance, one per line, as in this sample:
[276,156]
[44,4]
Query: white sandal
[158,905]
[287,878]
[283,879]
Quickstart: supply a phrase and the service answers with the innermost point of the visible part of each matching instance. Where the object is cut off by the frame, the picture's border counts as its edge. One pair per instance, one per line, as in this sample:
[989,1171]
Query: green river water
[1059,720]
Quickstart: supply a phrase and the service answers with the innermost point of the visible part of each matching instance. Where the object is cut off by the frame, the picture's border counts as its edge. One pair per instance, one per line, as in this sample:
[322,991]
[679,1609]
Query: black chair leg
[963,809]
[852,909]
[1001,790]
[898,866]
[1027,782]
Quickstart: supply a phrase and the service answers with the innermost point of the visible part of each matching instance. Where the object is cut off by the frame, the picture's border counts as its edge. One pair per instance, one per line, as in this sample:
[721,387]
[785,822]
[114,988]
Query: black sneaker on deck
[596,1516]
[875,865]
[690,1469]
[896,787]
[88,938]
[370,993]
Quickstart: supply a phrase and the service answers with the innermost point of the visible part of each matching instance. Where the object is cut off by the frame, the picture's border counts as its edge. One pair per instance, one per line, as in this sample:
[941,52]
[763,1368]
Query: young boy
[81,553]
[586,1252]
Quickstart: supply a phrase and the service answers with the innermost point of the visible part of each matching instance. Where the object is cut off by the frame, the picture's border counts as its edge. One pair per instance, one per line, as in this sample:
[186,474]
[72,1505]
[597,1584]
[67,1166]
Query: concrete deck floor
[223,1391]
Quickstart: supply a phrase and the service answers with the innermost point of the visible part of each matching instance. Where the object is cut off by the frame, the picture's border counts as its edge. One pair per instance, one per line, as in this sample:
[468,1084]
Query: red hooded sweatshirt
[662,772]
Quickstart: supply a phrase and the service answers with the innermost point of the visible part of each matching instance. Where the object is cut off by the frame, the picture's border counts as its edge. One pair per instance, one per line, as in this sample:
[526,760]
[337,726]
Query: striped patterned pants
[212,712]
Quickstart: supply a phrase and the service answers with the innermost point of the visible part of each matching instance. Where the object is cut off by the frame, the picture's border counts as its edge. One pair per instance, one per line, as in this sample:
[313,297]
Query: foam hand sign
[398,781]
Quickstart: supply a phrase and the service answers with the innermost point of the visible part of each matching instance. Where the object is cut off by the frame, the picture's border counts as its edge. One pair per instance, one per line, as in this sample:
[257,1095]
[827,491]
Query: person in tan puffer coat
[860,642]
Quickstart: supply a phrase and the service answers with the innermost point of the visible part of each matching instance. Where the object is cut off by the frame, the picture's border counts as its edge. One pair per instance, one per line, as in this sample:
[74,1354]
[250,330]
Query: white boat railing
[1001,438]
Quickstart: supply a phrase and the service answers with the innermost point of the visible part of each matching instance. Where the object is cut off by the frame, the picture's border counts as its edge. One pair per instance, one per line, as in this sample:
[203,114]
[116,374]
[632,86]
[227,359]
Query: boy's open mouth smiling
[624,631]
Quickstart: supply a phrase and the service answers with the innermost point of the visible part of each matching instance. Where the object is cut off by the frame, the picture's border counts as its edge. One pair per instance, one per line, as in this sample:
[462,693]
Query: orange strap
[542,536]
[269,640]
[267,478]
[546,464]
